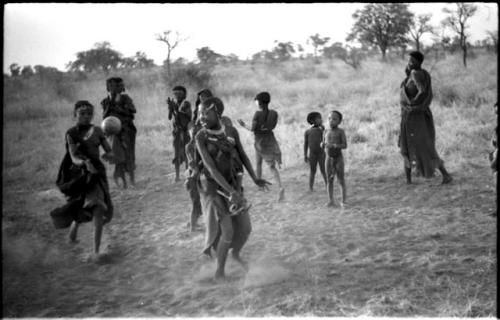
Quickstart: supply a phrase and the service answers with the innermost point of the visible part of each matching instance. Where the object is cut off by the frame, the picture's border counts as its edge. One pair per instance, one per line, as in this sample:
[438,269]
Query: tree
[419,26]
[333,51]
[382,24]
[15,69]
[493,36]
[100,57]
[27,71]
[47,72]
[351,56]
[264,55]
[457,22]
[207,56]
[283,50]
[317,42]
[172,41]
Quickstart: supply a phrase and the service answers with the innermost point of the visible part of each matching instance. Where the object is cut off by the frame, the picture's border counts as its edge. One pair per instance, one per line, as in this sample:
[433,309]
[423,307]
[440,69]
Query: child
[180,110]
[82,145]
[216,145]
[334,142]
[266,146]
[192,161]
[312,141]
[120,105]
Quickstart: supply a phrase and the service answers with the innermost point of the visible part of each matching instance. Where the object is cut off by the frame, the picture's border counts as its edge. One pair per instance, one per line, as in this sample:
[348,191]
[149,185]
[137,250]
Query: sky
[51,34]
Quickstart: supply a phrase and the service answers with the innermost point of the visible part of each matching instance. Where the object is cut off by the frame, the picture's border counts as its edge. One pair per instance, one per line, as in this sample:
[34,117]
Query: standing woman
[120,105]
[417,136]
[266,145]
[219,187]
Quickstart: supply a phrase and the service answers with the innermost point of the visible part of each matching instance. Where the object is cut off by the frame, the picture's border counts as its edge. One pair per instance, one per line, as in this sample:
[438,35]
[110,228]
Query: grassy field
[424,250]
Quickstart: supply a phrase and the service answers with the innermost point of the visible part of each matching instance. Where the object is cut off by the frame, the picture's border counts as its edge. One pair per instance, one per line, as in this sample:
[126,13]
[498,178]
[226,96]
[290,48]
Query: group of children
[214,157]
[323,148]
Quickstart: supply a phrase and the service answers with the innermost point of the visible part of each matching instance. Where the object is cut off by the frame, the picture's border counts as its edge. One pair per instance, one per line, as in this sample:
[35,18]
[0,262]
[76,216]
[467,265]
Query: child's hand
[262,183]
[90,167]
[108,156]
[306,159]
[322,145]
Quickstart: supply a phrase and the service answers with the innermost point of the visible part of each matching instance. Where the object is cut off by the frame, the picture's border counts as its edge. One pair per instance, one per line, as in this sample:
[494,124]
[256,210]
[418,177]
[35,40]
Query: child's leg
[196,207]
[313,161]
[340,175]
[258,170]
[177,171]
[330,171]
[98,212]
[132,177]
[321,162]
[276,174]
[224,244]
[73,231]
[242,228]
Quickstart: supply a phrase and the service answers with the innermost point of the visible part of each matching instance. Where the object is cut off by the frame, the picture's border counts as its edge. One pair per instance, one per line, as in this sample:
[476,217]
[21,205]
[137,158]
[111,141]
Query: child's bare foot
[219,275]
[281,195]
[73,233]
[243,263]
[447,179]
[330,204]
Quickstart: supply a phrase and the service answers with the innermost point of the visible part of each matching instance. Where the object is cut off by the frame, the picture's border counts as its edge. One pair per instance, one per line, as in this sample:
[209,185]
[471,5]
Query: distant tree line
[379,28]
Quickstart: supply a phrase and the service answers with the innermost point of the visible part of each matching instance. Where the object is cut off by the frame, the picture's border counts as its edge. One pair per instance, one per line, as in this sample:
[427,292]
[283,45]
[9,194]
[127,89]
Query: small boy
[180,110]
[334,142]
[312,141]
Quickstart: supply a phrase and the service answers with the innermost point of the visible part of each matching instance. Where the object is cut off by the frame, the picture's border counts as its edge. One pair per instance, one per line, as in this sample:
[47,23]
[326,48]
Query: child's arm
[244,125]
[77,158]
[306,146]
[129,105]
[209,164]
[343,140]
[423,90]
[108,155]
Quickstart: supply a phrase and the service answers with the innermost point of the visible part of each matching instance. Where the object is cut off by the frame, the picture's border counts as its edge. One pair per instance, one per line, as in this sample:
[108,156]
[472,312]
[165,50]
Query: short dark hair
[82,103]
[263,97]
[338,112]
[312,116]
[417,55]
[216,103]
[115,80]
[180,88]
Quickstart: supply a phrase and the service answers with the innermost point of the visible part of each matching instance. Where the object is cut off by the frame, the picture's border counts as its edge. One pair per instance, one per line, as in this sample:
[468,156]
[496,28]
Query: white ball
[111,125]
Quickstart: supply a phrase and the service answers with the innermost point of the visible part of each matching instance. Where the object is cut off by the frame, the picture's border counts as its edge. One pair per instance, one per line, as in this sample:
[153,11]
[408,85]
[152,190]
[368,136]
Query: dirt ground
[394,250]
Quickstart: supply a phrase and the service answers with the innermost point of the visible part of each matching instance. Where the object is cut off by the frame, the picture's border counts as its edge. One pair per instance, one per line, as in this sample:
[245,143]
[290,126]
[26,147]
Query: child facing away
[312,143]
[82,148]
[266,146]
[334,142]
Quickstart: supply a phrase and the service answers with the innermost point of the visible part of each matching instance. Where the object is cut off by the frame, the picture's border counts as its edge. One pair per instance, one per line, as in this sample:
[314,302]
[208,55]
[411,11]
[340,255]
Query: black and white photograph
[250,160]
